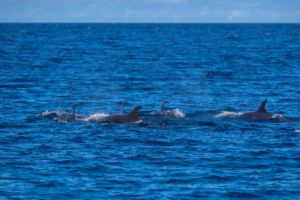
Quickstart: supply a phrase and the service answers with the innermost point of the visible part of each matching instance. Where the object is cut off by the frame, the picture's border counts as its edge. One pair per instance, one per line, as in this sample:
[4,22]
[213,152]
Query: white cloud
[237,14]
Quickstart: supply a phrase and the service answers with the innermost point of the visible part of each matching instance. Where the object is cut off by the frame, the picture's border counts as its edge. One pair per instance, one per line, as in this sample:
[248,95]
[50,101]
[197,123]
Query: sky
[193,11]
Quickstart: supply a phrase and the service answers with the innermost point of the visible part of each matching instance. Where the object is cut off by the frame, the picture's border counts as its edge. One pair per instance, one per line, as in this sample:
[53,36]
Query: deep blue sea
[208,72]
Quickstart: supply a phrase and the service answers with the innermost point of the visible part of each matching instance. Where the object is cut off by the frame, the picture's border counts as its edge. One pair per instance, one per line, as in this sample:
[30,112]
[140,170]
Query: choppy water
[208,71]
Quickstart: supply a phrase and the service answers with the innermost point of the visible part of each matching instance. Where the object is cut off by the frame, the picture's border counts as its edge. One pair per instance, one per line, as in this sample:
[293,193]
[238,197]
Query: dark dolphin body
[124,118]
[260,114]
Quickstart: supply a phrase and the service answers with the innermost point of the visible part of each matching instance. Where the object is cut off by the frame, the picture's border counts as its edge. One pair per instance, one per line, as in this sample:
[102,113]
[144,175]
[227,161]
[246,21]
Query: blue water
[202,69]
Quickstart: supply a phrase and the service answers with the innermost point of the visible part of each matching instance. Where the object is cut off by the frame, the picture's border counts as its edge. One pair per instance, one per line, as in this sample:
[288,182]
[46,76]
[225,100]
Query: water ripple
[212,72]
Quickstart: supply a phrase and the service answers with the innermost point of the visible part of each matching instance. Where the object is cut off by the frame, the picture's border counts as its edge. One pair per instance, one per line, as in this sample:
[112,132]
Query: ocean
[208,73]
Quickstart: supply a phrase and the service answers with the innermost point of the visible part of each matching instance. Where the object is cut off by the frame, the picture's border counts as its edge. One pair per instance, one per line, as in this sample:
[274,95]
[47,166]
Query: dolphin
[162,110]
[260,114]
[162,106]
[122,110]
[168,113]
[65,116]
[124,118]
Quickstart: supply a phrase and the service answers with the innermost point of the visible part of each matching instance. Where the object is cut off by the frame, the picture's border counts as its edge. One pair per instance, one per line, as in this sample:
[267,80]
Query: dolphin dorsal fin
[262,107]
[73,109]
[122,111]
[134,112]
[162,106]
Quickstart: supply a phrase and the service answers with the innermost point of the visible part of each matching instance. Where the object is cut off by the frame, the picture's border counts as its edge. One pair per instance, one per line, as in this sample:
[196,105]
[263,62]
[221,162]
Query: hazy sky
[149,10]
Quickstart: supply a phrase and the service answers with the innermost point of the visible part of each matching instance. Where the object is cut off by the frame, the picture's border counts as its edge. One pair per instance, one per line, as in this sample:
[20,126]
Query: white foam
[227,114]
[46,113]
[277,116]
[49,113]
[297,130]
[52,114]
[177,113]
[138,121]
[96,117]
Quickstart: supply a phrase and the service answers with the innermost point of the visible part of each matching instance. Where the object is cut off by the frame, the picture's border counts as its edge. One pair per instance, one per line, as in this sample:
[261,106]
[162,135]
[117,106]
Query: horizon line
[149,22]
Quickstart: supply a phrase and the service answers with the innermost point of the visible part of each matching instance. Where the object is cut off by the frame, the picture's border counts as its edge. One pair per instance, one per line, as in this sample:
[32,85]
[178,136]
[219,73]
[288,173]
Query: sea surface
[209,73]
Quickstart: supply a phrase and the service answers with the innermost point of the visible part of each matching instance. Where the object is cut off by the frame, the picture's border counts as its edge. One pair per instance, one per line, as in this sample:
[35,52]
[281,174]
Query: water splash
[48,114]
[227,114]
[177,113]
[277,116]
[138,121]
[97,117]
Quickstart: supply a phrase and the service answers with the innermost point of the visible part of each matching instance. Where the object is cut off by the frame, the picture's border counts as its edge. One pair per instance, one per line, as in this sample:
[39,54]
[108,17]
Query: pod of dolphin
[133,116]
